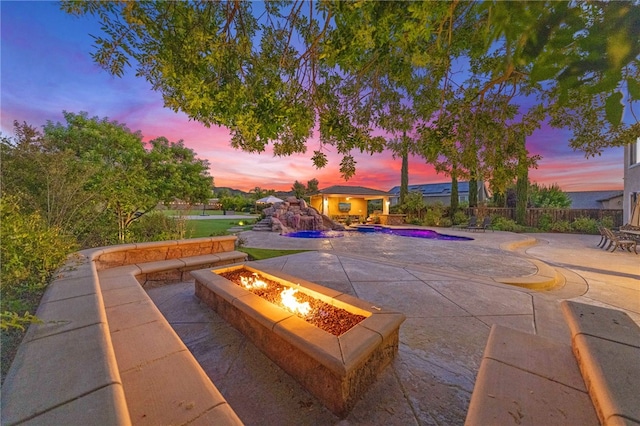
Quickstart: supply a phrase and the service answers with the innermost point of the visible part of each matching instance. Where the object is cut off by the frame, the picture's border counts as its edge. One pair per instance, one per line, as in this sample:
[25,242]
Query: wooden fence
[534,215]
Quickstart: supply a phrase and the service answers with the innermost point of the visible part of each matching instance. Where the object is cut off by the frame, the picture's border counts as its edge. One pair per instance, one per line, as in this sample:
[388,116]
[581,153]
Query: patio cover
[320,199]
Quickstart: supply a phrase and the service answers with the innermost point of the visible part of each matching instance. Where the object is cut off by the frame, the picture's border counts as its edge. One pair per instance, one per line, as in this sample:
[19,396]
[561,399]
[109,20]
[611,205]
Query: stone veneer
[338,370]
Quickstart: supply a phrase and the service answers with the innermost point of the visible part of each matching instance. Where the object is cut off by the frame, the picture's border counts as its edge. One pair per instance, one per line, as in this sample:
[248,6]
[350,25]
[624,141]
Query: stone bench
[529,380]
[104,354]
[606,343]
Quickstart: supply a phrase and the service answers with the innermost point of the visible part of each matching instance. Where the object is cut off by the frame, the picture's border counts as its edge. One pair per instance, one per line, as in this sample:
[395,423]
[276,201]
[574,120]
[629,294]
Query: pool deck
[450,291]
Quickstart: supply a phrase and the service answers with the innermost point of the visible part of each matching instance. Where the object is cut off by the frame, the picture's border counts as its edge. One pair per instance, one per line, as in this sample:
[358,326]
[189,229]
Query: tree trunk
[404,171]
[522,185]
[454,194]
[473,192]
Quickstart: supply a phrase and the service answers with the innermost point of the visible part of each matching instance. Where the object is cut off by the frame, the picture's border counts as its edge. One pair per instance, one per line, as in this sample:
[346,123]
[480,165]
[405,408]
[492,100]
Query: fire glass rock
[327,317]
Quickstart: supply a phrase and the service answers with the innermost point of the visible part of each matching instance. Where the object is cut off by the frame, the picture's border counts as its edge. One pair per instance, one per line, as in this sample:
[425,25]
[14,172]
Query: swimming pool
[402,232]
[314,234]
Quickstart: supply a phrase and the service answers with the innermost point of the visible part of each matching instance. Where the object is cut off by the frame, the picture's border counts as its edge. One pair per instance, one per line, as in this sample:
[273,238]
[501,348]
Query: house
[441,192]
[631,180]
[609,200]
[343,200]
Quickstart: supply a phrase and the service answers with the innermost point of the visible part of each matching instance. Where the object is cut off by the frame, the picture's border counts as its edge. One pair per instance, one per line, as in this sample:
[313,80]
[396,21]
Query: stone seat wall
[104,354]
[529,380]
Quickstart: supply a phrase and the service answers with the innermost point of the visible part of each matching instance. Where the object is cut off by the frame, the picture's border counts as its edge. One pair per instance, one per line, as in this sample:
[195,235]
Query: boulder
[295,215]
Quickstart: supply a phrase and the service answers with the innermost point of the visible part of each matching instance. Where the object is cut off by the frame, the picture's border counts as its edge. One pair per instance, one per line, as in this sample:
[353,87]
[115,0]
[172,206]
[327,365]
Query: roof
[352,190]
[591,199]
[433,189]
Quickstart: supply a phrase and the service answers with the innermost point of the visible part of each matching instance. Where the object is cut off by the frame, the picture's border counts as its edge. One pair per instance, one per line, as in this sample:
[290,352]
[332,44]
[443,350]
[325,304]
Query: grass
[207,228]
[198,212]
[195,212]
[261,253]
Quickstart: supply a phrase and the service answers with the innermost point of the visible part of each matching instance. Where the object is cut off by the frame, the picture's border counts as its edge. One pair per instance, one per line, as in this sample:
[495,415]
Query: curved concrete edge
[517,245]
[546,277]
[66,368]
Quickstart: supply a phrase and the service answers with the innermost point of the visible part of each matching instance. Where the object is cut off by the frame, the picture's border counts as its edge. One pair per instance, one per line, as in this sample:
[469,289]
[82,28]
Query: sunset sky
[46,68]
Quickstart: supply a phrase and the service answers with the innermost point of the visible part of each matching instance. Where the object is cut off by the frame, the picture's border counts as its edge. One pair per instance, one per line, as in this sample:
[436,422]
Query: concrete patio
[447,290]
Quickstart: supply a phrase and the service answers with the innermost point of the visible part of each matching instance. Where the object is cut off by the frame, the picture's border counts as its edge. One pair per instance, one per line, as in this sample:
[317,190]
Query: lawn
[260,253]
[195,212]
[198,212]
[206,228]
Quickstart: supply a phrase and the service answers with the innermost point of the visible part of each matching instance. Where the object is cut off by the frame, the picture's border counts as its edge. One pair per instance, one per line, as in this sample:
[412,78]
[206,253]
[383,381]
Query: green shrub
[434,215]
[414,204]
[562,226]
[504,224]
[103,232]
[585,225]
[446,222]
[414,221]
[396,209]
[432,218]
[156,226]
[545,221]
[31,252]
[460,217]
[606,222]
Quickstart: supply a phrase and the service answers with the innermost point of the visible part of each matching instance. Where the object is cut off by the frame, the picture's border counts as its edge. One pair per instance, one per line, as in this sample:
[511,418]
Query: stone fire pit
[336,369]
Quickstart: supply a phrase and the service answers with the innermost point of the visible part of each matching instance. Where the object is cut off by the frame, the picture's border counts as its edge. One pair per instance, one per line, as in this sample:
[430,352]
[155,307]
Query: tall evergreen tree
[404,170]
[522,186]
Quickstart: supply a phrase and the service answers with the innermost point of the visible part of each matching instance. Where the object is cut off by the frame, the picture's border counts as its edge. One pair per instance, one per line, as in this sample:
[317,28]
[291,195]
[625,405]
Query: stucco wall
[631,182]
[358,206]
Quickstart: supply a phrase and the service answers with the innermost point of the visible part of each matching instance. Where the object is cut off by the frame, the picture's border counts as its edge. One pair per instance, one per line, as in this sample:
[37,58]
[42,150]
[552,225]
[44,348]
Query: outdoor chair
[473,224]
[603,237]
[620,241]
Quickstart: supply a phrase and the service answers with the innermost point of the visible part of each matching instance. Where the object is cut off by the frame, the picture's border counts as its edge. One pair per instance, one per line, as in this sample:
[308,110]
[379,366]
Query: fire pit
[325,316]
[337,369]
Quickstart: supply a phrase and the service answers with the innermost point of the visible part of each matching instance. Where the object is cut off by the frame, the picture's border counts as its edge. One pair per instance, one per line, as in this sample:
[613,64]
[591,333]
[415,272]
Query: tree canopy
[86,170]
[274,72]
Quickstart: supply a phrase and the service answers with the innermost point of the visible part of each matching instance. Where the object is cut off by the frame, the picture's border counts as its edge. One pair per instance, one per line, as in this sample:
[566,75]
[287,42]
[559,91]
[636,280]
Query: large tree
[90,169]
[272,72]
[49,181]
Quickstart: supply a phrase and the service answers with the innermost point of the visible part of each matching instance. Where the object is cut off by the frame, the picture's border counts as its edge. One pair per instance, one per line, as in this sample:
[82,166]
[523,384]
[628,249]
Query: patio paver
[450,301]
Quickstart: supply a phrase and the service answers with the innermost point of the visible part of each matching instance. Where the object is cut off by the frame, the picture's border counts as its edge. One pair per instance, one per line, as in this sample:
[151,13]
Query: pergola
[343,200]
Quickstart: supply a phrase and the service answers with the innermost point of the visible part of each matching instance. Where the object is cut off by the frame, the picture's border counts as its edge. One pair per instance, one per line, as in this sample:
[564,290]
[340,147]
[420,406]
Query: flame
[290,302]
[252,282]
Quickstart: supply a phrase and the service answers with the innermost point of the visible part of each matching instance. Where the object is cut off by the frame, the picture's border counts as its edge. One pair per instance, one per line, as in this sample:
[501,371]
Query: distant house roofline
[351,190]
[591,199]
[437,189]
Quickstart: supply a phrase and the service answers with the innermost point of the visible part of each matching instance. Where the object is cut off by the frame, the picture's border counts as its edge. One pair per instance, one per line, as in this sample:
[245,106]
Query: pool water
[314,234]
[403,232]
